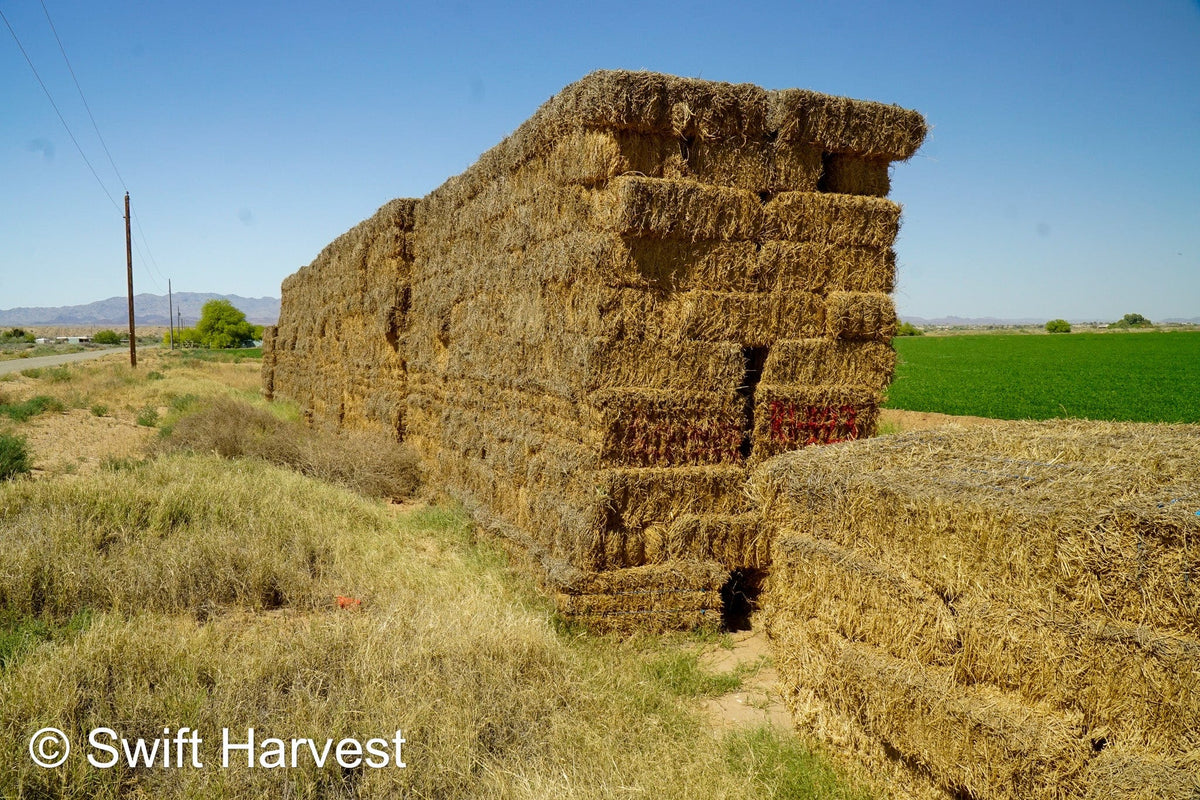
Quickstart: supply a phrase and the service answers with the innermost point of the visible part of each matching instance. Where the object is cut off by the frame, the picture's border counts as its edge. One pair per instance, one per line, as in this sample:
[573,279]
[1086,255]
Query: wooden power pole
[129,276]
[170,314]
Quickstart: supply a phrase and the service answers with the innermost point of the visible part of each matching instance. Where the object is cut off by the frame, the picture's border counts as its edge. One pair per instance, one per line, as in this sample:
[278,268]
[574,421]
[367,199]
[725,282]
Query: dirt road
[18,364]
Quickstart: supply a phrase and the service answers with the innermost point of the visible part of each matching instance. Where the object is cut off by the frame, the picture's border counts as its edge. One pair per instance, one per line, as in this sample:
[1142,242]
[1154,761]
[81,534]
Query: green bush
[14,456]
[99,410]
[908,329]
[148,416]
[1058,326]
[19,412]
[106,337]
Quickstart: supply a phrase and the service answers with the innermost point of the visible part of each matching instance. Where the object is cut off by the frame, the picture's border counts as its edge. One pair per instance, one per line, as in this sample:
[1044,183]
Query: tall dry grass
[233,428]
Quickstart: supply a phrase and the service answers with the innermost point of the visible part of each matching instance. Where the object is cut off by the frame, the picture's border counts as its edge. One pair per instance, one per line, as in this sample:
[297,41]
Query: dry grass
[71,438]
[365,462]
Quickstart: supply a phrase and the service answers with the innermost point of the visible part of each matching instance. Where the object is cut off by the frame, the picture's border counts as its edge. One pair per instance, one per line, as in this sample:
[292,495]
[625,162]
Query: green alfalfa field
[1136,377]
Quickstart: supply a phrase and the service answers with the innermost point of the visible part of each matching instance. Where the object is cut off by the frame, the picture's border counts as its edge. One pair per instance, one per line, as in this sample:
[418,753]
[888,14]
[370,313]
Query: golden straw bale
[820,267]
[646,495]
[831,219]
[860,316]
[842,125]
[661,364]
[1139,684]
[570,331]
[793,167]
[973,740]
[854,174]
[670,209]
[660,264]
[862,600]
[822,361]
[792,416]
[1089,518]
[754,319]
[648,428]
[670,596]
[736,541]
[655,103]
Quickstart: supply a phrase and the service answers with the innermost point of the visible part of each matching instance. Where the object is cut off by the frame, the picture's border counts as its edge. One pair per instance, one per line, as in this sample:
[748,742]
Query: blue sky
[1061,177]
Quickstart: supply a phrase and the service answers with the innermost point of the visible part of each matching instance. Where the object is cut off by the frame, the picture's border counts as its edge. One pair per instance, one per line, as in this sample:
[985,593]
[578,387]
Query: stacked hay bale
[338,349]
[1013,609]
[651,284]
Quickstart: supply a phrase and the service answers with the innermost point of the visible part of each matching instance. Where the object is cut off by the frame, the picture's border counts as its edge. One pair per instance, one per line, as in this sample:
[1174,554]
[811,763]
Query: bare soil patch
[77,441]
[758,701]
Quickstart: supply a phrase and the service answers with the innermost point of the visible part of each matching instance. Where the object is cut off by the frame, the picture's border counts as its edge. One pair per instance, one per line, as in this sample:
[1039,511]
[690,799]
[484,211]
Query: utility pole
[170,314]
[179,324]
[129,275]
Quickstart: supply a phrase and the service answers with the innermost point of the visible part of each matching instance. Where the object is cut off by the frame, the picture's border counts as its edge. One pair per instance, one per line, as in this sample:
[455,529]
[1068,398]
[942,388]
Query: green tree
[222,325]
[1058,326]
[908,329]
[1132,321]
[106,337]
[17,335]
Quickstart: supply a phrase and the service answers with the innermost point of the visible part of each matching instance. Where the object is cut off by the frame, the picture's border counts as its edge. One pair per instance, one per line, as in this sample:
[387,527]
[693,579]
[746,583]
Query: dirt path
[758,701]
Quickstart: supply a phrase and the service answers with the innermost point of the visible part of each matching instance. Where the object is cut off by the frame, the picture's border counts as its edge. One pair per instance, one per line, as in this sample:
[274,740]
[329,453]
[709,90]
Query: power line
[145,241]
[71,69]
[62,49]
[49,97]
[148,256]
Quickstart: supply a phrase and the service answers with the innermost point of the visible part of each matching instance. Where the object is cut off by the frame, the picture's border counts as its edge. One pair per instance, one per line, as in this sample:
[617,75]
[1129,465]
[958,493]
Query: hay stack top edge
[693,109]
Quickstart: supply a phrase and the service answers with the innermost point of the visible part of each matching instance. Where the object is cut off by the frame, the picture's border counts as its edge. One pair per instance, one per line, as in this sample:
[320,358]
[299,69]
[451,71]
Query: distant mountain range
[148,309]
[993,322]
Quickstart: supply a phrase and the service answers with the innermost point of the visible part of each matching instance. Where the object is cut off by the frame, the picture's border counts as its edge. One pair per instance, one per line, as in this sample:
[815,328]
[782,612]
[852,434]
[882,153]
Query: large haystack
[1013,609]
[651,284]
[338,349]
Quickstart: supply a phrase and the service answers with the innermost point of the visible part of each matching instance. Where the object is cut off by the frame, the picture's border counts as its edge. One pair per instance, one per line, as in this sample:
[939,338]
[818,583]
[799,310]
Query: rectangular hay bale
[649,428]
[839,219]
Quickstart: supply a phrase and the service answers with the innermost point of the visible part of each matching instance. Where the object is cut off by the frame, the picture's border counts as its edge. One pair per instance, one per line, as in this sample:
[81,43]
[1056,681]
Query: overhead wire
[146,257]
[71,69]
[61,119]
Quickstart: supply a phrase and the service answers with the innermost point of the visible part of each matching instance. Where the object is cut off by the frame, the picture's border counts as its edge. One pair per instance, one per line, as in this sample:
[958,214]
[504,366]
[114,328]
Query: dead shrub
[366,463]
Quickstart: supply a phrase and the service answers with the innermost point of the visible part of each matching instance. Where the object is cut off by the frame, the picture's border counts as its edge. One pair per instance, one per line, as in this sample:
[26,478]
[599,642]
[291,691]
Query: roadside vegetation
[1150,377]
[241,570]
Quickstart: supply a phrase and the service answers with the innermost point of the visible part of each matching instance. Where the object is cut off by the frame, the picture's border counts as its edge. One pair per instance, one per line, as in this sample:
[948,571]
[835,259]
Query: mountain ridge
[149,309]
